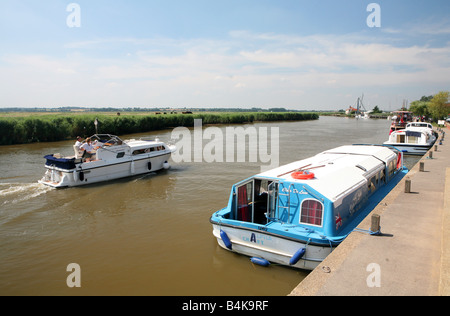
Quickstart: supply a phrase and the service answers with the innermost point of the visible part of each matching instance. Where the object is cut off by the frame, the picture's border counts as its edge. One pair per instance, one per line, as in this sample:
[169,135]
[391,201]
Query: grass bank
[56,127]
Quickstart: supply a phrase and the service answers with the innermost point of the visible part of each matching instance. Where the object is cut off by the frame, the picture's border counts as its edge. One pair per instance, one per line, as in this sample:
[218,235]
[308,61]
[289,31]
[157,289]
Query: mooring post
[435,147]
[430,154]
[375,224]
[421,167]
[407,186]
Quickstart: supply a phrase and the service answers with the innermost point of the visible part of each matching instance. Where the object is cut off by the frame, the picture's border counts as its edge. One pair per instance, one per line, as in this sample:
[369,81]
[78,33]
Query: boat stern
[55,178]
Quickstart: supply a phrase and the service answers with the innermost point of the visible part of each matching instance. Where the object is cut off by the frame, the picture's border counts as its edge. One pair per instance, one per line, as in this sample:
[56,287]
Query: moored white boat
[296,214]
[416,139]
[113,159]
[400,119]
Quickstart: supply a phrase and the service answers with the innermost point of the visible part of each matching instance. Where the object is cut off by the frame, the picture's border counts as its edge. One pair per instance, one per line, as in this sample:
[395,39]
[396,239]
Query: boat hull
[411,149]
[101,171]
[271,247]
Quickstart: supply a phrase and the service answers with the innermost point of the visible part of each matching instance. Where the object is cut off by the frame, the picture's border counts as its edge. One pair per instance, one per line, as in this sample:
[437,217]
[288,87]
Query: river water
[145,235]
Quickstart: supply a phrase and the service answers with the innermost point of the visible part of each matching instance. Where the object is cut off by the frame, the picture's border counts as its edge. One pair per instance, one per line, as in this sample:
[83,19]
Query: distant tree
[277,110]
[426,99]
[439,106]
[376,109]
[420,108]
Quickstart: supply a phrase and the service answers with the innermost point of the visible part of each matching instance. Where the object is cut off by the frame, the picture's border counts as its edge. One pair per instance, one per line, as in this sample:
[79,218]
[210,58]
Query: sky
[296,54]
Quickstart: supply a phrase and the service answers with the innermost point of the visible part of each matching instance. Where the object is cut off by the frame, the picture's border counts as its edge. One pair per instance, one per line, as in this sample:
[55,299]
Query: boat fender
[75,176]
[149,165]
[166,165]
[226,240]
[81,175]
[297,256]
[302,175]
[260,261]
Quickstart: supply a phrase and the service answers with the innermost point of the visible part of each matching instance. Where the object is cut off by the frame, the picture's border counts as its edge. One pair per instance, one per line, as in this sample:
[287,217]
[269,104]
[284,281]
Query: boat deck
[413,252]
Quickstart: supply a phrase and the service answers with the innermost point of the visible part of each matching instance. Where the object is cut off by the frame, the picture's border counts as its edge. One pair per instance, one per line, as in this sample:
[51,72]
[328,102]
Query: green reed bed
[57,127]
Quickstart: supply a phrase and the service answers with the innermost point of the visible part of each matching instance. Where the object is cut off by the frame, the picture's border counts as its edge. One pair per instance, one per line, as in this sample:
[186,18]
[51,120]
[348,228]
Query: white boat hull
[416,139]
[411,149]
[100,171]
[273,248]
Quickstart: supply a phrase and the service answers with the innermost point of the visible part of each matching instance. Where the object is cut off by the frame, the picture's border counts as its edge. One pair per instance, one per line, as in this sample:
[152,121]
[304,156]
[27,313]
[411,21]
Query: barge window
[312,212]
[254,200]
[120,155]
[245,199]
[391,168]
[372,183]
[382,177]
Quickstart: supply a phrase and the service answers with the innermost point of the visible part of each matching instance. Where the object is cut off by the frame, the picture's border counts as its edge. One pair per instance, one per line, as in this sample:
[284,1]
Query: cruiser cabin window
[148,150]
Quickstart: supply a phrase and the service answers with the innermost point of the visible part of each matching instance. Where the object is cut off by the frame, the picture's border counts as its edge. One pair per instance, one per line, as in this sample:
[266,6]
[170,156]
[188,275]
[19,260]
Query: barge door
[255,199]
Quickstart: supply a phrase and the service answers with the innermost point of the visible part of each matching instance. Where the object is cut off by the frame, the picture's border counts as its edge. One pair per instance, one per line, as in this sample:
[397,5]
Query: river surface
[146,235]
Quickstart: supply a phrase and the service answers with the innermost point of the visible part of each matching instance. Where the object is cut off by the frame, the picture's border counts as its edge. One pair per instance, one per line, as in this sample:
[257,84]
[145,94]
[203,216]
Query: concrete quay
[412,255]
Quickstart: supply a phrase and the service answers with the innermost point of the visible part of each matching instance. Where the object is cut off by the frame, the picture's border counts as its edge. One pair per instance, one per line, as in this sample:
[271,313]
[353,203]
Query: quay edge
[412,255]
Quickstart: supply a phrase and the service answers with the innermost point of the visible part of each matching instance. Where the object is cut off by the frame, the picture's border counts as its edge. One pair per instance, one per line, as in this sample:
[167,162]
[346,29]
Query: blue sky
[303,55]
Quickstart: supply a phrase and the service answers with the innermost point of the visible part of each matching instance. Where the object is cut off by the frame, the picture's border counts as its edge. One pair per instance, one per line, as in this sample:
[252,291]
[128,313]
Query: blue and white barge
[296,214]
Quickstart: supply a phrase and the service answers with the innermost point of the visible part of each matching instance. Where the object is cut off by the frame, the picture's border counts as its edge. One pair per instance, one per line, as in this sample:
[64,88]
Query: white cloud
[245,69]
[429,26]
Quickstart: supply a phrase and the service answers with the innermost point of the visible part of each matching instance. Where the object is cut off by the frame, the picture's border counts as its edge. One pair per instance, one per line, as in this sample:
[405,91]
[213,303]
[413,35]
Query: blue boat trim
[278,234]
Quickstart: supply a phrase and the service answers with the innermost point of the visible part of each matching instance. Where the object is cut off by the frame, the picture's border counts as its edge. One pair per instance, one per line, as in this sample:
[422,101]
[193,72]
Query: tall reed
[48,128]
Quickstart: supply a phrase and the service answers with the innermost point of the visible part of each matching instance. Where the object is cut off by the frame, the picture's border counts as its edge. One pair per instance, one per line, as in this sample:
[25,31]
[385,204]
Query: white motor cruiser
[112,159]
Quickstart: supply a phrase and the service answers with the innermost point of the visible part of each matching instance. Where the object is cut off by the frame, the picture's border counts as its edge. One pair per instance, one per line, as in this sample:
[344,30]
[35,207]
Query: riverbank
[25,129]
[411,257]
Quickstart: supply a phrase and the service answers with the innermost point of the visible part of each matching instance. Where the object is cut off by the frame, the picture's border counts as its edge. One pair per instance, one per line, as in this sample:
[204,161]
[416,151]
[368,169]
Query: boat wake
[12,193]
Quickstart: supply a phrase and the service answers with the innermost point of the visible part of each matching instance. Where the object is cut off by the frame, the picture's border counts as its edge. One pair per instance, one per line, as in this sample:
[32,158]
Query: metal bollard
[375,227]
[407,186]
[422,167]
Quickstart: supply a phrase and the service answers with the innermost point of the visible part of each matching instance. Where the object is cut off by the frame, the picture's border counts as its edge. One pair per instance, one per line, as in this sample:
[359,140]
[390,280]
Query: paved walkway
[411,257]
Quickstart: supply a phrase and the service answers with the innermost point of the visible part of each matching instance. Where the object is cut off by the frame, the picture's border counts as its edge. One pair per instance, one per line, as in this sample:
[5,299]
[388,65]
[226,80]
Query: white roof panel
[336,171]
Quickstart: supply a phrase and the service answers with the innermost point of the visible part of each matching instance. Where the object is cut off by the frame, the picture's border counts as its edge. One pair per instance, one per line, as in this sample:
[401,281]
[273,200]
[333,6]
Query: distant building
[350,110]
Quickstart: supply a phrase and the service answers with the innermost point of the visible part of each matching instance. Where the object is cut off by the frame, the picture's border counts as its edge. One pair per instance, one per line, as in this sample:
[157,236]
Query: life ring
[302,175]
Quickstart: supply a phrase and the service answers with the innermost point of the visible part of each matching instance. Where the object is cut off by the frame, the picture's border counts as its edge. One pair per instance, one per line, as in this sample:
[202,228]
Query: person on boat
[76,147]
[78,142]
[88,149]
